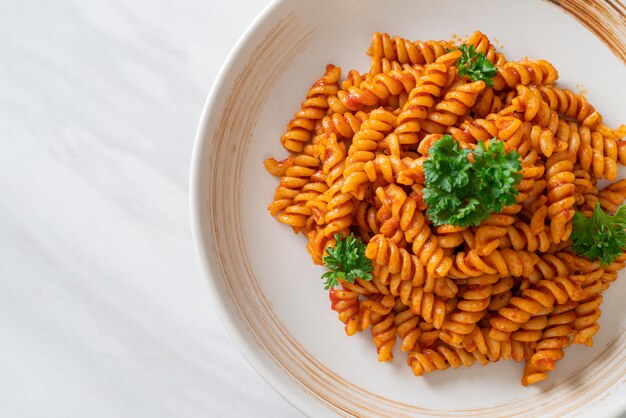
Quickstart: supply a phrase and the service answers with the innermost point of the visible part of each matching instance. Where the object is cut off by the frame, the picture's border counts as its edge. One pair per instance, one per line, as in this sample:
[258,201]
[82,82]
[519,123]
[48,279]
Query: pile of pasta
[510,288]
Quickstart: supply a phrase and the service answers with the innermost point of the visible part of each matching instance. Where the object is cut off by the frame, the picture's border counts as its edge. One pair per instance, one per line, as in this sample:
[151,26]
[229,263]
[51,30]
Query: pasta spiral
[491,102]
[471,308]
[346,304]
[512,74]
[505,262]
[380,87]
[420,99]
[343,125]
[334,209]
[480,341]
[523,236]
[479,130]
[534,109]
[489,233]
[311,110]
[384,335]
[416,231]
[569,104]
[613,196]
[586,323]
[482,44]
[442,356]
[533,301]
[450,236]
[561,199]
[549,266]
[456,103]
[383,65]
[501,293]
[293,185]
[429,306]
[405,51]
[385,253]
[362,150]
[406,323]
[549,348]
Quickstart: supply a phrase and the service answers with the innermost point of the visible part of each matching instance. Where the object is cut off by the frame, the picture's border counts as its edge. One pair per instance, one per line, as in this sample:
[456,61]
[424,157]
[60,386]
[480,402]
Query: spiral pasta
[491,101]
[294,183]
[405,51]
[364,144]
[384,335]
[510,287]
[406,217]
[505,262]
[311,110]
[533,301]
[346,304]
[455,104]
[481,42]
[422,97]
[513,74]
[442,356]
[569,104]
[407,326]
[561,200]
[374,91]
[549,348]
[343,125]
[472,307]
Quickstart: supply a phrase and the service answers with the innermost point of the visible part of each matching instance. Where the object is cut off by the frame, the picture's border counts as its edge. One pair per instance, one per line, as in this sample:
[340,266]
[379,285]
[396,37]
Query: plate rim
[203,243]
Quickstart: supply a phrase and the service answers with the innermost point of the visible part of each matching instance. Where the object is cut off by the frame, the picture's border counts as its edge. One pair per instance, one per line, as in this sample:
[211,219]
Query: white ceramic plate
[265,287]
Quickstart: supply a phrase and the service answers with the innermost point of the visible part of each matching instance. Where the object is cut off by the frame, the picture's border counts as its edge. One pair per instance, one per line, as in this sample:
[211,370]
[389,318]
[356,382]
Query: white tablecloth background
[103,311]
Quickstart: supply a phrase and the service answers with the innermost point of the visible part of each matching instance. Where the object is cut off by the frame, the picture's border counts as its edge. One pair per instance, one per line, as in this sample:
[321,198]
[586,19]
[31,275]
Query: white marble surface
[103,311]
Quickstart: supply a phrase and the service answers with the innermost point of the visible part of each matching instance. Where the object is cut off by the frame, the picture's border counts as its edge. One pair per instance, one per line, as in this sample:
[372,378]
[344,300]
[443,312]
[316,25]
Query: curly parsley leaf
[464,192]
[475,65]
[600,237]
[447,172]
[498,174]
[347,261]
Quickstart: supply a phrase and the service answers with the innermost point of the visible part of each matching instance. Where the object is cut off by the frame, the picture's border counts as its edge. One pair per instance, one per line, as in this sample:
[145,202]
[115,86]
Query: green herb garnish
[347,261]
[475,65]
[463,192]
[600,237]
[498,174]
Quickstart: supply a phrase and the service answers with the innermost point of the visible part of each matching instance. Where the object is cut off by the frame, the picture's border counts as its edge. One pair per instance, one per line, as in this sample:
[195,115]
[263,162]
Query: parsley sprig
[475,65]
[600,237]
[497,173]
[347,261]
[464,191]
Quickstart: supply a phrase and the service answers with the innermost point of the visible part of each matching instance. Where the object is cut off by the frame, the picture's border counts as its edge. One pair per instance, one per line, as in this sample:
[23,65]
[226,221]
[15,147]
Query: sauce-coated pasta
[451,296]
